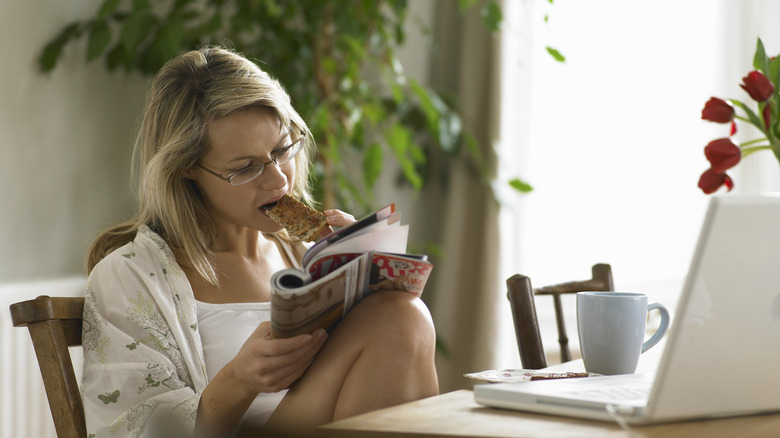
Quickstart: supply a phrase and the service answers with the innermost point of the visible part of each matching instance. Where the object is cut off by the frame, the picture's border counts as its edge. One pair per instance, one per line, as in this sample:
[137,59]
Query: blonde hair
[188,93]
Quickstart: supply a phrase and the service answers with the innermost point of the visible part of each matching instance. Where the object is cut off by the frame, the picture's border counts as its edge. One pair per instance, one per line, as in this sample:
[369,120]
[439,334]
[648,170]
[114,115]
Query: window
[611,140]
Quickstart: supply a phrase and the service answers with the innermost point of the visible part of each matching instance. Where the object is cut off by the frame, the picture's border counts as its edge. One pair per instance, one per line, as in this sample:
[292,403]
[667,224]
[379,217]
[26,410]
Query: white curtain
[464,296]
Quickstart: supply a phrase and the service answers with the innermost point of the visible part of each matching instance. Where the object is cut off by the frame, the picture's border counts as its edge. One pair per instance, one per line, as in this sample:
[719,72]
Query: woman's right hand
[265,364]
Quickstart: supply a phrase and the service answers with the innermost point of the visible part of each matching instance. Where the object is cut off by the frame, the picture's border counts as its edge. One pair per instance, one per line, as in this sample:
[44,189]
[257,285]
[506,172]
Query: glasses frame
[275,160]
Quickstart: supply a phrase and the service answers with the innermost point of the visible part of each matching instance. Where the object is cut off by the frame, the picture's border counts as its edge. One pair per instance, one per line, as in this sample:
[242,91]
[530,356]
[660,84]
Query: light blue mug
[611,328]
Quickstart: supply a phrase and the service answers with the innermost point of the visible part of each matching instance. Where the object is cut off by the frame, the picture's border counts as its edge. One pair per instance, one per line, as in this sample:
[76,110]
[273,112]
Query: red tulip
[733,129]
[717,110]
[758,86]
[722,154]
[710,181]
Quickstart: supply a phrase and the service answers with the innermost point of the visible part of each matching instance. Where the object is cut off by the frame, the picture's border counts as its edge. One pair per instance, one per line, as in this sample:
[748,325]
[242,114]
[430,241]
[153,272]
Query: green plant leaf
[355,45]
[450,129]
[272,8]
[241,21]
[115,57]
[520,185]
[492,16]
[374,112]
[465,4]
[372,164]
[108,7]
[774,72]
[760,60]
[426,104]
[51,52]
[135,29]
[754,119]
[400,141]
[472,145]
[141,5]
[99,39]
[555,54]
[169,38]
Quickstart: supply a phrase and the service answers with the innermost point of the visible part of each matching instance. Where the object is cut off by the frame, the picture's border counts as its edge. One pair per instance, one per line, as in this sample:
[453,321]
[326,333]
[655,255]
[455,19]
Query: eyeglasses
[249,173]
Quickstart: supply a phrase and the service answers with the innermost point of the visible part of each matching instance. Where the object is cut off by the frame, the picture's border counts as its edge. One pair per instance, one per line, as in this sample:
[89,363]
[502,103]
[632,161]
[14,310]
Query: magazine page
[328,263]
[398,272]
[299,305]
[391,239]
[383,217]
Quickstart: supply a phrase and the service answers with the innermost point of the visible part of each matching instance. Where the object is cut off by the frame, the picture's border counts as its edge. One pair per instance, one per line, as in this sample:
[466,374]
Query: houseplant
[724,153]
[337,60]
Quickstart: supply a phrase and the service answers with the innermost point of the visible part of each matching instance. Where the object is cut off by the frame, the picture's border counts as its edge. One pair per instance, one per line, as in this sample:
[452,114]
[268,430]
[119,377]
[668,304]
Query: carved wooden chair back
[55,324]
[521,300]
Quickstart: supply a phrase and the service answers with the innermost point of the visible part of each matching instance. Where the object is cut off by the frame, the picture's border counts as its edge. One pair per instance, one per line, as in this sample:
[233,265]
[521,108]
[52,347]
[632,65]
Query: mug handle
[661,329]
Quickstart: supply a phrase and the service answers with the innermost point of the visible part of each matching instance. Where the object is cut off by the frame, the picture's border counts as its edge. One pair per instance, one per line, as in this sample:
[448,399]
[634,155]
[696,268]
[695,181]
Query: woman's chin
[270,227]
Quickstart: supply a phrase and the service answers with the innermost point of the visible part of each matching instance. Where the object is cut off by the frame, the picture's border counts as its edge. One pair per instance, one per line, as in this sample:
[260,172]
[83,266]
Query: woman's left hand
[337,218]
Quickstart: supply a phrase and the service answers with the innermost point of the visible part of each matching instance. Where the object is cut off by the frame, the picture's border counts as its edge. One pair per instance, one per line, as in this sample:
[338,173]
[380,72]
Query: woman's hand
[263,364]
[337,218]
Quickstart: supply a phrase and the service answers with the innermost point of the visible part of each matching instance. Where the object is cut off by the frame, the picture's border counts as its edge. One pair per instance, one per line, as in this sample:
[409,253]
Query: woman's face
[241,139]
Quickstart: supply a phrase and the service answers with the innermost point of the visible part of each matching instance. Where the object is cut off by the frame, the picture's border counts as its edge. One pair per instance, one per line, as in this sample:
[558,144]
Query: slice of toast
[298,219]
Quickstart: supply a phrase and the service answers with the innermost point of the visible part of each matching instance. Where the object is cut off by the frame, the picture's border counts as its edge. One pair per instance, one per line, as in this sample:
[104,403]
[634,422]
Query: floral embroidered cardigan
[143,357]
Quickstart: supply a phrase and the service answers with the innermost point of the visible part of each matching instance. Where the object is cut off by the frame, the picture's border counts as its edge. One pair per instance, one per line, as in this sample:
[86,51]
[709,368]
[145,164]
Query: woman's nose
[272,178]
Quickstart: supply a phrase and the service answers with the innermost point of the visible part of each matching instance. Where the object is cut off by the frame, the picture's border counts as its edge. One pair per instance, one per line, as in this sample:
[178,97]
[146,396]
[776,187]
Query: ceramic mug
[611,329]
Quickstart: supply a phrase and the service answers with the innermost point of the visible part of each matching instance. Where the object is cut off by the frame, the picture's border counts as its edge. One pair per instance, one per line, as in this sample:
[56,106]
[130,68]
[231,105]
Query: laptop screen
[724,345]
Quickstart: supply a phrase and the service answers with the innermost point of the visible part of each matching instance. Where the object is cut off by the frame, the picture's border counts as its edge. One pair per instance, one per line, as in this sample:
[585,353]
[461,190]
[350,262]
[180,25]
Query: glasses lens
[289,152]
[285,155]
[246,175]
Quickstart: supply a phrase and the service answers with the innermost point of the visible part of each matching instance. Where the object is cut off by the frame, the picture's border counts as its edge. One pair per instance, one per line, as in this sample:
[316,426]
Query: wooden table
[456,414]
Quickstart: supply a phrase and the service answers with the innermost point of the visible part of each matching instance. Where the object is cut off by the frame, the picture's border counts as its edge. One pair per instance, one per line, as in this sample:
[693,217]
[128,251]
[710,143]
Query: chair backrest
[521,299]
[55,324]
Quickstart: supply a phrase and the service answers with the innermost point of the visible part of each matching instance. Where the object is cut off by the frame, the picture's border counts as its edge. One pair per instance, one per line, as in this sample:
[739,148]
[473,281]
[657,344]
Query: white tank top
[223,330]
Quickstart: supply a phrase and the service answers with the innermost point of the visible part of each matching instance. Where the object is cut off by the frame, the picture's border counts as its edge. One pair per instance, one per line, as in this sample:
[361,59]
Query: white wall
[66,141]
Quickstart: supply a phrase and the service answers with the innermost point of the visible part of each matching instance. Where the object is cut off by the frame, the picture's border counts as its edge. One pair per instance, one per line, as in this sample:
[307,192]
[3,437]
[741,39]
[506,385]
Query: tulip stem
[744,119]
[750,150]
[752,142]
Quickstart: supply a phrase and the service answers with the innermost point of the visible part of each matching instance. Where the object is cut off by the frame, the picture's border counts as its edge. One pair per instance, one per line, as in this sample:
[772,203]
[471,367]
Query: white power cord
[617,415]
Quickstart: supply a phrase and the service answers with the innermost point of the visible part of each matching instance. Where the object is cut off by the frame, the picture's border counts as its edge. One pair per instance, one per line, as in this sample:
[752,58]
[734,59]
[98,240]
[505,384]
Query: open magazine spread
[343,268]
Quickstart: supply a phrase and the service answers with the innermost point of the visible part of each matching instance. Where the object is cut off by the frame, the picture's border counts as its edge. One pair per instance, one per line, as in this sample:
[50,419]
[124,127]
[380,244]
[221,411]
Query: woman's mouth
[269,206]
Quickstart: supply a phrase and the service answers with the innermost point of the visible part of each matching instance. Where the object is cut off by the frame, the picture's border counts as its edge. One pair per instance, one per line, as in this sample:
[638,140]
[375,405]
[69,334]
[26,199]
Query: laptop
[722,351]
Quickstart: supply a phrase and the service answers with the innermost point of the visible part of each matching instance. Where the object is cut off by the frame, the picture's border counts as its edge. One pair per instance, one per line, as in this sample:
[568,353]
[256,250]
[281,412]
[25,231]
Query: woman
[176,332]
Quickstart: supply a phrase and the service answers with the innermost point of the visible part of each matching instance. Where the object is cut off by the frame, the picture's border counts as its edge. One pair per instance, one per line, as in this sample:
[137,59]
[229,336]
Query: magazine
[343,268]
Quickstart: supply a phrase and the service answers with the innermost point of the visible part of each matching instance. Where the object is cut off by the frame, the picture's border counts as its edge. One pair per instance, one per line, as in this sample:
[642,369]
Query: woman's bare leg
[380,355]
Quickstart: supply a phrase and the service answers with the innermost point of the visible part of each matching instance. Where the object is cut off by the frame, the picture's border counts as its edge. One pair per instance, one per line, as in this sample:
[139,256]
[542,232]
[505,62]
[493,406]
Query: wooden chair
[55,324]
[521,300]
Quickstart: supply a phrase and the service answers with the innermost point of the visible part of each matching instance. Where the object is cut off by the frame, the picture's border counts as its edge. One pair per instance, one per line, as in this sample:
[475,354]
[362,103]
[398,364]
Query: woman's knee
[396,316]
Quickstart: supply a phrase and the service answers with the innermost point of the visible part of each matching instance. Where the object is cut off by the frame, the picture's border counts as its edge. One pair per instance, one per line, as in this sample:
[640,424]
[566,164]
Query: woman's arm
[263,364]
[136,366]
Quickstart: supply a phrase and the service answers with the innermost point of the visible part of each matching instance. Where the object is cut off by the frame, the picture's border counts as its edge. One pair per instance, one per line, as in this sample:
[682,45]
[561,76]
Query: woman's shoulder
[146,251]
